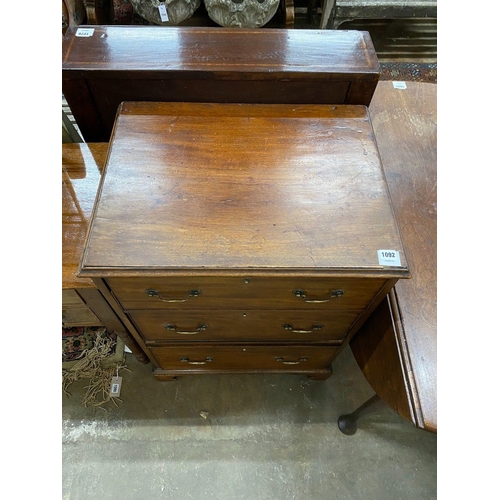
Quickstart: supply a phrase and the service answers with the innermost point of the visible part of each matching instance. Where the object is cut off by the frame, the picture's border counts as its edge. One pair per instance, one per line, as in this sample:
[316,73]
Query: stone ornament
[177,10]
[241,13]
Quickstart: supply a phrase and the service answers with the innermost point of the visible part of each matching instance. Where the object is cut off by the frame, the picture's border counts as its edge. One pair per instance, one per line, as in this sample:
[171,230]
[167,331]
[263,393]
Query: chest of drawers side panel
[136,336]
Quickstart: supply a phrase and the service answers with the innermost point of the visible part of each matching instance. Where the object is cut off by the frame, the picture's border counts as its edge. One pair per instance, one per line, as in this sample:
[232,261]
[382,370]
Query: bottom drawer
[244,358]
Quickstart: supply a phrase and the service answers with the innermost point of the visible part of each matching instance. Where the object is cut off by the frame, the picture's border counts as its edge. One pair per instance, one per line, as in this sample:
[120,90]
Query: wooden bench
[269,66]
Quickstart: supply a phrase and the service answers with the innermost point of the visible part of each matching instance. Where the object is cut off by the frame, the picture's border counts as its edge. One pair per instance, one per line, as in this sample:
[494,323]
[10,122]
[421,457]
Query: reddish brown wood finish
[253,325]
[239,292]
[140,63]
[377,352]
[242,358]
[83,304]
[82,165]
[227,210]
[397,346]
[242,187]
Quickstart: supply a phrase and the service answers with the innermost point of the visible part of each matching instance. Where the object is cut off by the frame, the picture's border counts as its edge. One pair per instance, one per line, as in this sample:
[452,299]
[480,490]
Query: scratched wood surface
[405,125]
[230,187]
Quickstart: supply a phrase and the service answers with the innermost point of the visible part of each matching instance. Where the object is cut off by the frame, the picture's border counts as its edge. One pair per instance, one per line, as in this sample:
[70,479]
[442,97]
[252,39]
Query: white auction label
[85,31]
[399,85]
[116,387]
[163,12]
[389,258]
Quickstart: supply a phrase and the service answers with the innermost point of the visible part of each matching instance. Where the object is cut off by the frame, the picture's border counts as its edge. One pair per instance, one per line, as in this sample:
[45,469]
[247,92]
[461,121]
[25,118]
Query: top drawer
[238,292]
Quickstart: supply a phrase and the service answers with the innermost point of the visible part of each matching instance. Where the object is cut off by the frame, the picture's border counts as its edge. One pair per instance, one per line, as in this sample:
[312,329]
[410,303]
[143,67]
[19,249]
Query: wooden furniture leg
[347,423]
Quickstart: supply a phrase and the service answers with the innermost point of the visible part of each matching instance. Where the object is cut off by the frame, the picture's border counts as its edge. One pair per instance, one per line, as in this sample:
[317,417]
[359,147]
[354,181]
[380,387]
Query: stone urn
[177,10]
[241,13]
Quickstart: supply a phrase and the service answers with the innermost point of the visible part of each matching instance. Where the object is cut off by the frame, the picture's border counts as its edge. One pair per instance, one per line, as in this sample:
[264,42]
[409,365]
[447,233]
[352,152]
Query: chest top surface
[228,187]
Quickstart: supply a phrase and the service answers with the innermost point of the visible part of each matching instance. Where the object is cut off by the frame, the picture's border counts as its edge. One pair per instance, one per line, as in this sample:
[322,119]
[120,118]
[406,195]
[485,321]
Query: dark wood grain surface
[275,187]
[253,325]
[141,63]
[243,291]
[405,122]
[129,48]
[244,358]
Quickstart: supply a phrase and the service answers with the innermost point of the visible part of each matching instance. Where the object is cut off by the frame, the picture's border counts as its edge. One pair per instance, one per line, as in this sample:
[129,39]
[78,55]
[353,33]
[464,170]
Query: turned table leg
[347,423]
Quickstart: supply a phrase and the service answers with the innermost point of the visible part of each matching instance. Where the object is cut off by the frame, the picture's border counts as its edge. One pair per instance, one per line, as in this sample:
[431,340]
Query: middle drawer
[242,325]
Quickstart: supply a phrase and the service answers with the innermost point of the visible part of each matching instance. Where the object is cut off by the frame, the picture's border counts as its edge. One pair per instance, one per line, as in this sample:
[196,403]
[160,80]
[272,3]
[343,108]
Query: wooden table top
[81,172]
[405,122]
[236,187]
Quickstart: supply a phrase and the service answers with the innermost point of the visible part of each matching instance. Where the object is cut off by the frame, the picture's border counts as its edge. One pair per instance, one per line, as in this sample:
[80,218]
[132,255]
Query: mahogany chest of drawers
[243,238]
[188,64]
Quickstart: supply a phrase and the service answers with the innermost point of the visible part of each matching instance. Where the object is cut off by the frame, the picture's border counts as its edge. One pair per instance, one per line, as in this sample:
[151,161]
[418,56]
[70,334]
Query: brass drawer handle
[187,360]
[155,293]
[302,295]
[198,330]
[281,360]
[294,330]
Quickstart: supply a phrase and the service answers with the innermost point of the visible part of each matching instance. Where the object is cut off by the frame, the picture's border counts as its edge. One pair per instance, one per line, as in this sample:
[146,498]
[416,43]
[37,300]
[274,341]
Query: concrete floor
[264,437]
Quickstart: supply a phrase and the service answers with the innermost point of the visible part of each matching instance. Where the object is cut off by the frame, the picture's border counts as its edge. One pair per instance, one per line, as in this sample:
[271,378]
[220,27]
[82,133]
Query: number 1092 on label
[389,258]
